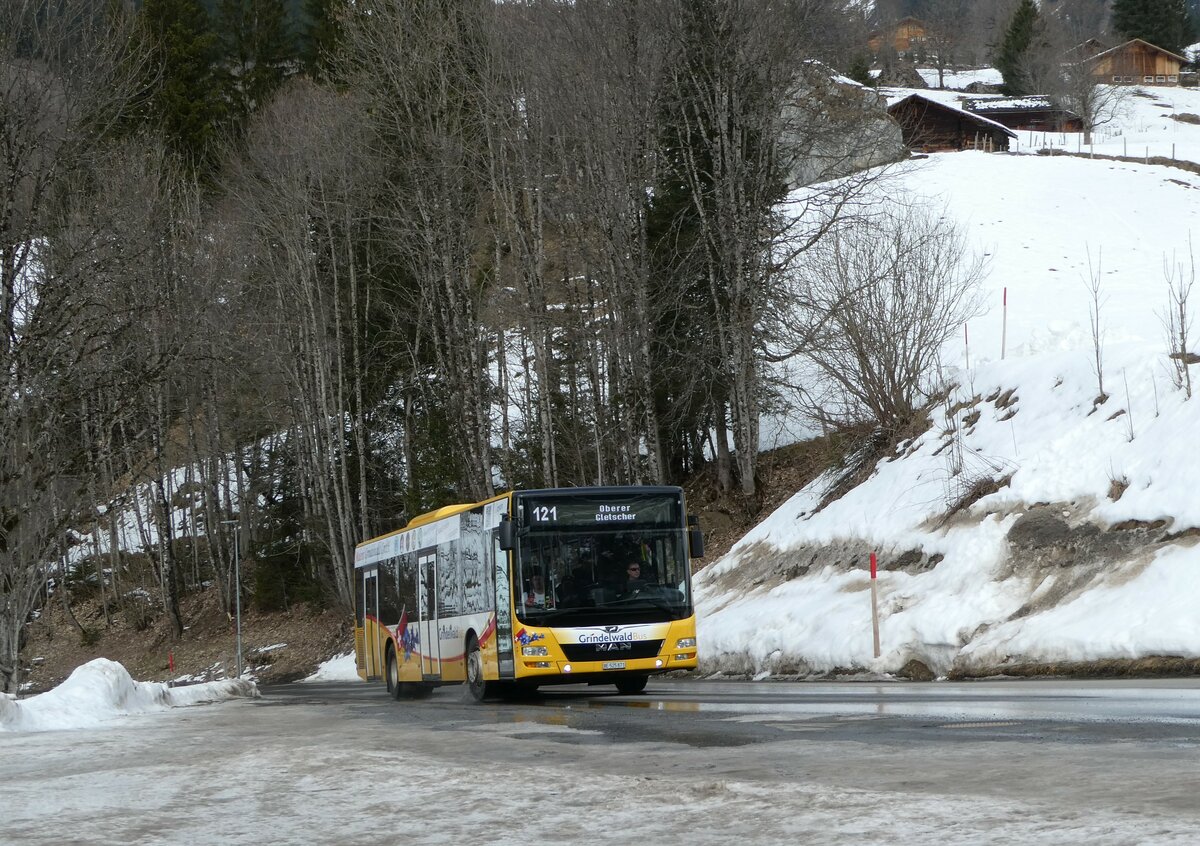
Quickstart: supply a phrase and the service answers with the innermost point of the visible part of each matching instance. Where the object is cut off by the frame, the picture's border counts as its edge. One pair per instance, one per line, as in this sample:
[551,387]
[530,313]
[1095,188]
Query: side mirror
[508,533]
[695,537]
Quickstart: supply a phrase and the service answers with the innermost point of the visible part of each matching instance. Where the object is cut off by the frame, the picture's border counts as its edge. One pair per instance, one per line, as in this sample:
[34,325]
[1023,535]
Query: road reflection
[1175,701]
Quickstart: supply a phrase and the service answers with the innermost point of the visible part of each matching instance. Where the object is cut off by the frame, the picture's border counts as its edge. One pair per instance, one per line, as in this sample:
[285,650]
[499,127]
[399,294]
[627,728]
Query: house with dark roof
[1035,112]
[1137,62]
[928,126]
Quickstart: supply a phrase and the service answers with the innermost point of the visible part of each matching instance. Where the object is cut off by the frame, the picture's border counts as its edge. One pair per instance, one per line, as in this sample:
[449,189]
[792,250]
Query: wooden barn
[1035,112]
[1137,62]
[929,126]
[905,35]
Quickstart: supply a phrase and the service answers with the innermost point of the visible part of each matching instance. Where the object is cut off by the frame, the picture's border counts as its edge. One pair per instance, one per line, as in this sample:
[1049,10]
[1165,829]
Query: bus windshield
[574,575]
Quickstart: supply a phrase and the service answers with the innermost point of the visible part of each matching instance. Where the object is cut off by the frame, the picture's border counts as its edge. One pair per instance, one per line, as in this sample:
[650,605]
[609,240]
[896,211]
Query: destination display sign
[616,512]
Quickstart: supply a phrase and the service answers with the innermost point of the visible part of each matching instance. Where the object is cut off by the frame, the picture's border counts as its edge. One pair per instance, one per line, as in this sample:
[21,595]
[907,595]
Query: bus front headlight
[685,643]
[534,651]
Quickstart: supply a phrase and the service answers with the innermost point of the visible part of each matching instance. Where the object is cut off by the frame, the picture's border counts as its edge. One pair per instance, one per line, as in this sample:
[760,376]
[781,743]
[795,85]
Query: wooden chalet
[1034,112]
[1137,62]
[903,36]
[929,126]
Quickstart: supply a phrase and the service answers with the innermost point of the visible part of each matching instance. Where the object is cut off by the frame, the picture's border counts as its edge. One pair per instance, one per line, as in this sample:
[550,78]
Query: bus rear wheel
[632,684]
[394,686]
[478,688]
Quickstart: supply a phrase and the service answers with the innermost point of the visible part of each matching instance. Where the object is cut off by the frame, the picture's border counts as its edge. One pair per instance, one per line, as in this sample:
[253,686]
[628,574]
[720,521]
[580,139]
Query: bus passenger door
[427,607]
[371,632]
[504,641]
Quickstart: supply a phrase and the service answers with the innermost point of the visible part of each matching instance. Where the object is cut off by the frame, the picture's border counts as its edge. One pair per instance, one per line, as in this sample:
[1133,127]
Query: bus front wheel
[632,684]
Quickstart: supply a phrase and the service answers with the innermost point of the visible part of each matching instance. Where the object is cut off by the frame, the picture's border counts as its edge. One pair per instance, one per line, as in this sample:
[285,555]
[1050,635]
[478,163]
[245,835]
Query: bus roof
[435,515]
[599,490]
[450,510]
[439,513]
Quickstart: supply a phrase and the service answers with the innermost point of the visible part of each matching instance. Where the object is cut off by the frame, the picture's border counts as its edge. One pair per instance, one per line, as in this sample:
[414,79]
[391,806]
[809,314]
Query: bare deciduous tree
[735,68]
[67,72]
[423,69]
[1059,66]
[881,300]
[303,199]
[1177,321]
[948,25]
[1095,303]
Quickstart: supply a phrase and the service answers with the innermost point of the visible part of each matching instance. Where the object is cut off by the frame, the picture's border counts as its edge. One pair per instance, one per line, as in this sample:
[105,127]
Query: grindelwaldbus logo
[610,634]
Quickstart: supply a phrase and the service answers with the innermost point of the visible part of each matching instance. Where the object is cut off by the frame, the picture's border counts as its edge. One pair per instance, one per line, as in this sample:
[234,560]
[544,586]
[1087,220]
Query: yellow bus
[557,586]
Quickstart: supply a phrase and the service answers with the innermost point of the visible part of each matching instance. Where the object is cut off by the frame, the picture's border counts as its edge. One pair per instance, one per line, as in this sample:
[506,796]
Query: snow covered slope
[1029,526]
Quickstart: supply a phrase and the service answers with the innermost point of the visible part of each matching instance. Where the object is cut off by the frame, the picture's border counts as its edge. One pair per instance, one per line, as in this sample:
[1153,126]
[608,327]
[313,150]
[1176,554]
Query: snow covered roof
[951,108]
[996,104]
[1010,105]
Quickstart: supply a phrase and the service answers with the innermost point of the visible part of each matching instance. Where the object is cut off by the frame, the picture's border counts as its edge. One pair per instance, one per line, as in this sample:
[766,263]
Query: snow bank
[102,690]
[341,668]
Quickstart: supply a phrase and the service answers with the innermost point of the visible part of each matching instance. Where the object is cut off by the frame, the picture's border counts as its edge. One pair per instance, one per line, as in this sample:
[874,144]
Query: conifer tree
[257,49]
[321,36]
[1163,23]
[860,70]
[187,103]
[1014,48]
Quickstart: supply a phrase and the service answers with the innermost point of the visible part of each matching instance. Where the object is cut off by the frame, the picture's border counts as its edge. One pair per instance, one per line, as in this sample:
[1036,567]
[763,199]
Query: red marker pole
[874,605]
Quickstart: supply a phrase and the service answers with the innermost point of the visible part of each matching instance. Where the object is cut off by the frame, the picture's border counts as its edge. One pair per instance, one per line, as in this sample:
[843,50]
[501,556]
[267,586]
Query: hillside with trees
[277,277]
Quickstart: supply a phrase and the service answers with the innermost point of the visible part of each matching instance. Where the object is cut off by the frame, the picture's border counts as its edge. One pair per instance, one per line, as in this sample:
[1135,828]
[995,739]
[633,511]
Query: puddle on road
[648,704]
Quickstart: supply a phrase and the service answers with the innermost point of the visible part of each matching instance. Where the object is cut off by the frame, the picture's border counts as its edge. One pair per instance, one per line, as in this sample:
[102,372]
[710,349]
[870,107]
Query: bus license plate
[614,665]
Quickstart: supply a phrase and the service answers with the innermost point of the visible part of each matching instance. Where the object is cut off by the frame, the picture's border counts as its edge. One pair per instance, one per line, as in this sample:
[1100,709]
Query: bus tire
[632,684]
[395,687]
[476,686]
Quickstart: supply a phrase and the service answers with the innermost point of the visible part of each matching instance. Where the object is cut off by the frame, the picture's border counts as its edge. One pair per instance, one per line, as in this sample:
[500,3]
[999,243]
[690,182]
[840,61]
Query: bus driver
[633,579]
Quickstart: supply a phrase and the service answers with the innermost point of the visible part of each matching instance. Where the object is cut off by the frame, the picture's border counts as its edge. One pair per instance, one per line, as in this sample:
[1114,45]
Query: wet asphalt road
[701,763]
[704,713]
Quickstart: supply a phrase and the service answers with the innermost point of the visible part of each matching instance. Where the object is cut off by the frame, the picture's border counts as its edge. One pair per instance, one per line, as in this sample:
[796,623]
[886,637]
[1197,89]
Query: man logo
[612,629]
[616,646]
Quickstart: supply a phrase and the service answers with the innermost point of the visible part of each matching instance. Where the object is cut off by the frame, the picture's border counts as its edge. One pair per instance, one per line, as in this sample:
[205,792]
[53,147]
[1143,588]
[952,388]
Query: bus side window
[430,587]
[370,595]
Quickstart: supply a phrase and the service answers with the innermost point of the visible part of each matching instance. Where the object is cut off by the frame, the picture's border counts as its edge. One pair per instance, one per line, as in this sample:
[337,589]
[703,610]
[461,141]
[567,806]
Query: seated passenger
[536,593]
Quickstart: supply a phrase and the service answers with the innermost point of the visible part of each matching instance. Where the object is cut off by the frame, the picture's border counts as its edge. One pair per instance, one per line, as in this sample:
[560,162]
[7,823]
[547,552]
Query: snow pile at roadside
[340,668]
[102,690]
